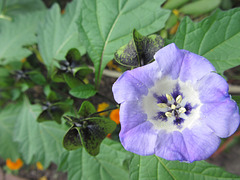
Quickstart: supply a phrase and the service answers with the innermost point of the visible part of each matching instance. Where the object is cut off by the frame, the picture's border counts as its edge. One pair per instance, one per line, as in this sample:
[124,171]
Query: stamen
[182,110]
[168,114]
[173,106]
[169,97]
[162,105]
[179,99]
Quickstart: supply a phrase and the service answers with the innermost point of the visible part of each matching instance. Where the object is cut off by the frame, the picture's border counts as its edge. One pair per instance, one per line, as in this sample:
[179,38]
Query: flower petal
[200,142]
[127,87]
[140,140]
[212,88]
[147,74]
[171,146]
[170,60]
[131,115]
[194,67]
[223,118]
[190,145]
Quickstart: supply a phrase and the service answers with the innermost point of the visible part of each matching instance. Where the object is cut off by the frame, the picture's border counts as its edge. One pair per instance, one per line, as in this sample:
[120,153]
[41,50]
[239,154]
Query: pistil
[173,108]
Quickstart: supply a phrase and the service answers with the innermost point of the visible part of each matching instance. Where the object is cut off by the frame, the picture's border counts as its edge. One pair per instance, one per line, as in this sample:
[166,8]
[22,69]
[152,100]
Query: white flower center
[172,105]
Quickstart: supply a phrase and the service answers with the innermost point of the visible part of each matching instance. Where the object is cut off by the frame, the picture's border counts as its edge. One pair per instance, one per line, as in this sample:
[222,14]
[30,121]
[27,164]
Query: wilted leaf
[86,109]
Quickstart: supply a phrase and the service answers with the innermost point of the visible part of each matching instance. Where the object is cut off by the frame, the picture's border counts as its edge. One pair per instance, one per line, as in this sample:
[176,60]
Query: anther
[162,105]
[168,114]
[179,99]
[182,110]
[173,106]
[169,97]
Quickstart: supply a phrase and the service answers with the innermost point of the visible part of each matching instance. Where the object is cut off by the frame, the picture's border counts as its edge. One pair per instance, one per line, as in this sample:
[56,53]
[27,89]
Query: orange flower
[175,12]
[109,136]
[43,178]
[23,60]
[115,116]
[111,66]
[101,107]
[39,166]
[173,30]
[14,165]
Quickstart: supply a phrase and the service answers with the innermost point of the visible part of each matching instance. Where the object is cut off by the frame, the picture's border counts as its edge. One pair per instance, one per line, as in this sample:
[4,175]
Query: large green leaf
[216,38]
[8,117]
[107,25]
[200,7]
[17,34]
[38,141]
[9,9]
[59,33]
[155,168]
[110,164]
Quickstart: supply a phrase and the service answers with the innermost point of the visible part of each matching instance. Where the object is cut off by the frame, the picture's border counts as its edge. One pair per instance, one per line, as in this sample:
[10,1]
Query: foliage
[139,51]
[158,168]
[110,27]
[45,73]
[215,38]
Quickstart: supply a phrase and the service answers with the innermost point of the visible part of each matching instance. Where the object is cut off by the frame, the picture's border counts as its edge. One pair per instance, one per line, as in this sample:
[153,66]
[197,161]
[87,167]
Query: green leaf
[139,51]
[64,105]
[8,118]
[172,21]
[55,111]
[57,76]
[59,33]
[110,164]
[237,100]
[216,38]
[82,71]
[37,77]
[14,8]
[86,109]
[92,132]
[38,141]
[4,72]
[52,114]
[15,35]
[83,91]
[16,93]
[112,23]
[51,95]
[73,55]
[174,4]
[200,7]
[153,167]
[95,130]
[71,81]
[71,140]
[226,5]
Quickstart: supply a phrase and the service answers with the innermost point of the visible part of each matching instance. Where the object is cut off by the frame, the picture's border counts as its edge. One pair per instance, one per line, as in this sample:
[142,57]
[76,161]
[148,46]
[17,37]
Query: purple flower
[177,107]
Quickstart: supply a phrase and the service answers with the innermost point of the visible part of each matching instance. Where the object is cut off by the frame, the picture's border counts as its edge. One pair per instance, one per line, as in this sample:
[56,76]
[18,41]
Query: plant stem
[37,53]
[105,97]
[2,16]
[110,109]
[3,5]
